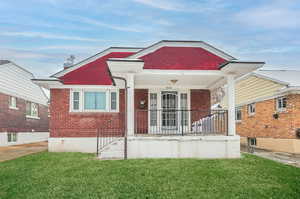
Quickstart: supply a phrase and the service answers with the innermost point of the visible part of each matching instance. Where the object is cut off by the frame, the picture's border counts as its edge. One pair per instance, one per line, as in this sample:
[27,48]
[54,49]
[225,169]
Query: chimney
[69,62]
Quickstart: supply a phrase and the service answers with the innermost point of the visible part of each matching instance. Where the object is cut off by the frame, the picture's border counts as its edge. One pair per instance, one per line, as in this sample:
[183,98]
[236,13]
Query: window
[184,107]
[251,141]
[251,109]
[113,101]
[153,109]
[32,109]
[12,102]
[281,103]
[95,100]
[11,137]
[76,100]
[238,114]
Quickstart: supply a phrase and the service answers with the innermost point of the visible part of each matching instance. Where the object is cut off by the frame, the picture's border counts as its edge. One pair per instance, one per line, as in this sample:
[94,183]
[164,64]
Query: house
[23,107]
[167,109]
[268,110]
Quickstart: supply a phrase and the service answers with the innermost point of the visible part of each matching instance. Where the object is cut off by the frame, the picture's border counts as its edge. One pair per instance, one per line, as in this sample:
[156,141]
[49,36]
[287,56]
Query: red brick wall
[263,125]
[66,124]
[200,103]
[12,120]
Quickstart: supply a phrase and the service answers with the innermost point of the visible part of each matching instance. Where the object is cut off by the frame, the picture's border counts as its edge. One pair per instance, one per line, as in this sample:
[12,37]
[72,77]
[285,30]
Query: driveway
[16,151]
[285,158]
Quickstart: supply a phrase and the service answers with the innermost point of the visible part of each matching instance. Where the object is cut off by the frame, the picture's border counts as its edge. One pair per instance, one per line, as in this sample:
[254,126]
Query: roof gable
[93,73]
[174,43]
[94,58]
[182,58]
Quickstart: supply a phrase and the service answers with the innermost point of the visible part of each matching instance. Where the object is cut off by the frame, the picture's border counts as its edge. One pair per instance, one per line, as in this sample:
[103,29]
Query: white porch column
[130,104]
[231,105]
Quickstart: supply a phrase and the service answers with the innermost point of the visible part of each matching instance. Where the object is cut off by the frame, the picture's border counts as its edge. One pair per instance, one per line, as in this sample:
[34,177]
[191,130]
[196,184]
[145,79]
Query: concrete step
[114,150]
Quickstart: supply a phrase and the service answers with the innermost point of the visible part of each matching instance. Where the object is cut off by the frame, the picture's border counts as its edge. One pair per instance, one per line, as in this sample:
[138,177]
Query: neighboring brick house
[23,107]
[268,110]
[168,90]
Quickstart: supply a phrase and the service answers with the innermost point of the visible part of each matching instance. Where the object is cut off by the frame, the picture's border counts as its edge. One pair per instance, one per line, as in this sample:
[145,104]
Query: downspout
[125,116]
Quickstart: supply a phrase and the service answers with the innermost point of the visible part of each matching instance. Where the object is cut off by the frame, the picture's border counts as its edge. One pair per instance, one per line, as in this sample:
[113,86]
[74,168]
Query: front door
[169,113]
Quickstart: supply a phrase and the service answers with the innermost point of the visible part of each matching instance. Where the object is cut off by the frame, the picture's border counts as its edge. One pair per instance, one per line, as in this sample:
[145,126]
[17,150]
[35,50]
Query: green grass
[76,175]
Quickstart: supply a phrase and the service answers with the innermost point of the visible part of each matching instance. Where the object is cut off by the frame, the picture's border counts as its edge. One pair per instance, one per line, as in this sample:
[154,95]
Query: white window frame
[32,116]
[281,109]
[250,109]
[13,105]
[236,111]
[81,100]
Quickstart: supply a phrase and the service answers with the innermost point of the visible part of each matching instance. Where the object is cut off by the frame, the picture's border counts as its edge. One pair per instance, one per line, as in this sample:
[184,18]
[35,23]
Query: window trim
[283,109]
[250,113]
[10,105]
[81,101]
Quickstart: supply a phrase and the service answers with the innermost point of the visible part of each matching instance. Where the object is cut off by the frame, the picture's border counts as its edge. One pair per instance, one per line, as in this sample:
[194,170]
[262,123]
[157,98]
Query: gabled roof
[182,43]
[95,57]
[16,81]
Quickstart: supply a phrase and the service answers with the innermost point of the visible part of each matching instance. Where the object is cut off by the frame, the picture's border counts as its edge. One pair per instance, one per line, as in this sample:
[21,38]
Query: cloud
[274,15]
[162,4]
[44,35]
[110,26]
[184,6]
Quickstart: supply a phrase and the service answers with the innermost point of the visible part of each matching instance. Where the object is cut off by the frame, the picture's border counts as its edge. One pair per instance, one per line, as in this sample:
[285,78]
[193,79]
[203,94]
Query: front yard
[76,175]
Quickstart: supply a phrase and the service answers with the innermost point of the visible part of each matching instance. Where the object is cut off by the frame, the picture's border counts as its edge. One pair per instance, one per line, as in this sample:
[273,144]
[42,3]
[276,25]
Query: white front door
[169,111]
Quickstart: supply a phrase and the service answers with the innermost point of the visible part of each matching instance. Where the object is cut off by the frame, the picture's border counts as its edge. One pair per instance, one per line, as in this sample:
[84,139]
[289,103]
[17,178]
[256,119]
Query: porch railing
[181,122]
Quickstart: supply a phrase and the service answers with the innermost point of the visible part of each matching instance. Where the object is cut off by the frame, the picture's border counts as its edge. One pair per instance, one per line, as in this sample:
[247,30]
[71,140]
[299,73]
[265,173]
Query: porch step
[114,150]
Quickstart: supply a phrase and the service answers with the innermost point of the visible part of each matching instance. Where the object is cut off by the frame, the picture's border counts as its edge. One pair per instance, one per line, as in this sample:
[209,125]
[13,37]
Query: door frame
[158,91]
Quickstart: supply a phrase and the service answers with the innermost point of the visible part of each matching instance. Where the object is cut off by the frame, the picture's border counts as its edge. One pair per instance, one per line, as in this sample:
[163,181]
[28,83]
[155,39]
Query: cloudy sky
[40,34]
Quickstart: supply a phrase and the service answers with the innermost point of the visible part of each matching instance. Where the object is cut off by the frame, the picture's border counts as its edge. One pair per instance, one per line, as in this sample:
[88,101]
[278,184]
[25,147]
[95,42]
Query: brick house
[23,107]
[168,88]
[268,110]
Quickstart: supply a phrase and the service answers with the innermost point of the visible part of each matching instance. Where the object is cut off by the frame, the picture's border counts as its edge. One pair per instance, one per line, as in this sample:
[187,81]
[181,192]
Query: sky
[40,34]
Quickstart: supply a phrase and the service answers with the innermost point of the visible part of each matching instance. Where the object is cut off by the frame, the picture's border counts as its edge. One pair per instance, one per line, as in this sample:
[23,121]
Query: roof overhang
[48,83]
[124,65]
[240,68]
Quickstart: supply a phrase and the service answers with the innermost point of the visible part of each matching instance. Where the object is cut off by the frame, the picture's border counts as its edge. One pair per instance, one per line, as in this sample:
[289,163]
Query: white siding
[16,81]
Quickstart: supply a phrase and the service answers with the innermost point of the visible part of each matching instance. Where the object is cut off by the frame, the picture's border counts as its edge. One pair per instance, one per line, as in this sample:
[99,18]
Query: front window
[238,114]
[86,100]
[95,100]
[281,103]
[12,102]
[251,109]
[32,109]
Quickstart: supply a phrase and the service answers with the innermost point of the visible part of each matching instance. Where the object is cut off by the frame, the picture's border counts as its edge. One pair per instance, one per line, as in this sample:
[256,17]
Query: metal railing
[181,122]
[106,136]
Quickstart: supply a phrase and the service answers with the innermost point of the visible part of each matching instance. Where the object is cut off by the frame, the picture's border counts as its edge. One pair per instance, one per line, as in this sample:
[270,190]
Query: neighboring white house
[23,107]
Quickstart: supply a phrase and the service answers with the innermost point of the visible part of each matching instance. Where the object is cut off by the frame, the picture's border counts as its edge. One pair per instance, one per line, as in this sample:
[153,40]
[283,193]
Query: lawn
[76,175]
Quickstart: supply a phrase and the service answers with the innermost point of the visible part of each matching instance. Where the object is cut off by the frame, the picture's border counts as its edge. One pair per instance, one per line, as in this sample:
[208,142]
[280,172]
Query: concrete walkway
[285,158]
[16,151]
